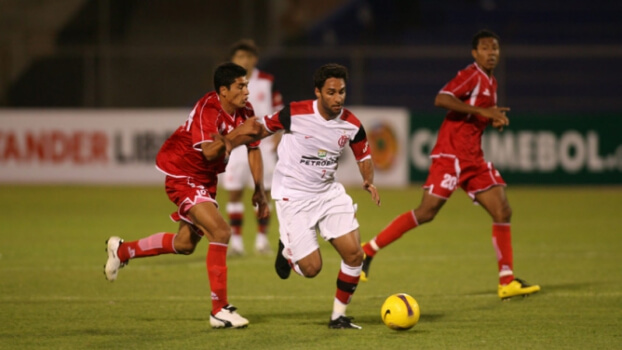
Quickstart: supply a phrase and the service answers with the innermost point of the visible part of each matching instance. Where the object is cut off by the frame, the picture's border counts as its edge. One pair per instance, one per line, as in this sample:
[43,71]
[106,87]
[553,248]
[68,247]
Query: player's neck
[227,107]
[488,72]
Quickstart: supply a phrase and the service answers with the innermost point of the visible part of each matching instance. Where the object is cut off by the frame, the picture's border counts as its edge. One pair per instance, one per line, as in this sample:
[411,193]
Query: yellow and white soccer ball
[400,311]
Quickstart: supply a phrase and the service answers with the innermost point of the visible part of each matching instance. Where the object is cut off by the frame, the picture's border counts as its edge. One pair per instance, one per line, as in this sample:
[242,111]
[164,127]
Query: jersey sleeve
[280,120]
[360,146]
[461,85]
[204,125]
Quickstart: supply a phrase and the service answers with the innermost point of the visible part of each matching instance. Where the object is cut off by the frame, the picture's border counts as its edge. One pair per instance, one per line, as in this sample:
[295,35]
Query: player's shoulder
[301,107]
[468,70]
[265,75]
[209,101]
[349,117]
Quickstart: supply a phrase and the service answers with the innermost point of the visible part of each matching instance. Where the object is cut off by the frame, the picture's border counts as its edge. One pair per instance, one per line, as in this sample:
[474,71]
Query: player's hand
[374,192]
[498,116]
[261,203]
[498,124]
[226,143]
[250,127]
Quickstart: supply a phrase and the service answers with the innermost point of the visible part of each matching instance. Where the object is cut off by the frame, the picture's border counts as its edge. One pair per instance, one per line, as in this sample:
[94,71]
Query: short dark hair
[247,45]
[330,70]
[226,73]
[484,33]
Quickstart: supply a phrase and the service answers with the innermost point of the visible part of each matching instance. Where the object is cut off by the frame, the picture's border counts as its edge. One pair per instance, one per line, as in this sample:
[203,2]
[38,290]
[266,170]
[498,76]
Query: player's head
[330,88]
[231,85]
[245,53]
[485,50]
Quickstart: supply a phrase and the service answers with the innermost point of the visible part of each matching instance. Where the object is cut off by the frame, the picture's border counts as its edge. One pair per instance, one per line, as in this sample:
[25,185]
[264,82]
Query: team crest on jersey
[321,153]
[343,140]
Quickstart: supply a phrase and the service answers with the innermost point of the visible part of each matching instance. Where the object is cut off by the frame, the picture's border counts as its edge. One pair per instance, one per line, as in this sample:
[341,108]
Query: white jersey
[265,100]
[310,148]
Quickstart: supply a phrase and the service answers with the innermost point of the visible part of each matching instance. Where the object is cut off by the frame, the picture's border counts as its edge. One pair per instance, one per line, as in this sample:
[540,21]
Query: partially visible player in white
[265,100]
[308,198]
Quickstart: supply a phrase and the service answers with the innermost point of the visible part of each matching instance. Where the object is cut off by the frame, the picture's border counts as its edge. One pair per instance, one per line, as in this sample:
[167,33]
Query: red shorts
[447,173]
[185,192]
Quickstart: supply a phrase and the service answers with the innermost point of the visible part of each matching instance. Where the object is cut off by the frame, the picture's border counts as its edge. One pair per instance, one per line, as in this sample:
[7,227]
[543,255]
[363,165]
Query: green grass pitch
[53,294]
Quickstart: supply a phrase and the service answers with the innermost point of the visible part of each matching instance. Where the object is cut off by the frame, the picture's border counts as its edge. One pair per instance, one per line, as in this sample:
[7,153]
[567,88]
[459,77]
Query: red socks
[391,233]
[502,241]
[160,243]
[216,262]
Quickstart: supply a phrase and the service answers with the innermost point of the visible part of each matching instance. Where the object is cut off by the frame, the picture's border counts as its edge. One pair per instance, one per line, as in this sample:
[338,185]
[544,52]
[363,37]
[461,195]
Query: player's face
[245,59]
[487,54]
[332,97]
[236,95]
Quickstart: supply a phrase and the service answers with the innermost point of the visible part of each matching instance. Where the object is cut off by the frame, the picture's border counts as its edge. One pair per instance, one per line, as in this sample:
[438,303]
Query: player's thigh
[238,172]
[297,229]
[480,177]
[336,214]
[206,217]
[442,178]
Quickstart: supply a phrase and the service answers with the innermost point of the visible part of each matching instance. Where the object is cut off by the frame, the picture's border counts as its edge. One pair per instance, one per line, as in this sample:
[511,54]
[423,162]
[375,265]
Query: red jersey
[460,134]
[181,154]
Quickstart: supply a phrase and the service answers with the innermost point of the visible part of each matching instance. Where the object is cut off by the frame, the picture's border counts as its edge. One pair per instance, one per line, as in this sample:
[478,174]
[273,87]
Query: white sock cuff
[237,207]
[374,245]
[351,271]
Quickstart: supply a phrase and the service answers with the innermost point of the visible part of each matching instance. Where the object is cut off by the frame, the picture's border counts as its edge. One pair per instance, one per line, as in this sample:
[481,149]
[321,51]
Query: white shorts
[238,173]
[332,214]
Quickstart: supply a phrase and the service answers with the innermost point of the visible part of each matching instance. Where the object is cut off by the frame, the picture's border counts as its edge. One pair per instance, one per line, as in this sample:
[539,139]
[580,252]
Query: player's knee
[184,248]
[506,214]
[311,270]
[503,213]
[354,259]
[221,235]
[426,215]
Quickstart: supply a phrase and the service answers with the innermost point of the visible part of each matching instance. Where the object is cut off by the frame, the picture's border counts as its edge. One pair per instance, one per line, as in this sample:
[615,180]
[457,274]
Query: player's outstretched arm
[246,133]
[496,114]
[366,168]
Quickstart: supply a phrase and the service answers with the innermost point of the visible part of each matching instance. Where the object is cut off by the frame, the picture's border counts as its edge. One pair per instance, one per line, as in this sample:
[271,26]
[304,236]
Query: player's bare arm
[218,147]
[259,199]
[366,168]
[496,114]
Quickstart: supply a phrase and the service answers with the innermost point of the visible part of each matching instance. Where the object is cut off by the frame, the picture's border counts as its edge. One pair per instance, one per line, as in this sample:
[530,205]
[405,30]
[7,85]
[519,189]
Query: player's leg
[262,244]
[298,246]
[235,211]
[120,252]
[234,179]
[339,226]
[494,200]
[439,186]
[349,248]
[207,218]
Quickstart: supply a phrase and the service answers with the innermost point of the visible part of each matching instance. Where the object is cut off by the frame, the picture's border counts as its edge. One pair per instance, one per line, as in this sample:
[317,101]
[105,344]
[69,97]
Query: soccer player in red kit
[458,161]
[192,157]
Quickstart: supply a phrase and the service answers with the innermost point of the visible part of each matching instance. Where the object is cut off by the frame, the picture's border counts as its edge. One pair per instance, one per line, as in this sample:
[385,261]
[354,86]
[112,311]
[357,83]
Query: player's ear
[474,53]
[223,91]
[317,92]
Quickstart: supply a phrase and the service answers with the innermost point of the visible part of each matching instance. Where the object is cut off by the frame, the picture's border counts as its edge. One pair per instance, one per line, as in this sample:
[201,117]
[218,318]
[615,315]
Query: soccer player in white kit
[308,199]
[265,101]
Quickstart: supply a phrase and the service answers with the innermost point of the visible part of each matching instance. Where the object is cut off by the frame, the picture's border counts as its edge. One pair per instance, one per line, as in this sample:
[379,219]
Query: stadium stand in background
[558,56]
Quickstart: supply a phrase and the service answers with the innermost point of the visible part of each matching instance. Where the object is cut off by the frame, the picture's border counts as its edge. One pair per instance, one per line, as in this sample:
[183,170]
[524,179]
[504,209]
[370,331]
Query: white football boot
[111,269]
[227,317]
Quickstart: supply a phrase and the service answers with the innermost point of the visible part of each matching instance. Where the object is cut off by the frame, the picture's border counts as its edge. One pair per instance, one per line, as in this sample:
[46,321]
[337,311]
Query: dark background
[557,56]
